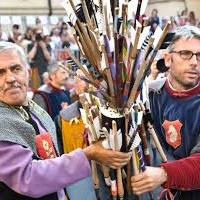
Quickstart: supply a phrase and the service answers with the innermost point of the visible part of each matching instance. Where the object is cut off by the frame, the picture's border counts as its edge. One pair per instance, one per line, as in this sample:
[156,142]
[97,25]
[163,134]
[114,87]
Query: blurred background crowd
[44,38]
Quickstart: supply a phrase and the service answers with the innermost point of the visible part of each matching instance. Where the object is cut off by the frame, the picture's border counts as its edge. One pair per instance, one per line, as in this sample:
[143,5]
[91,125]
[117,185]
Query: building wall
[195,6]
[40,7]
[173,7]
[166,8]
[23,7]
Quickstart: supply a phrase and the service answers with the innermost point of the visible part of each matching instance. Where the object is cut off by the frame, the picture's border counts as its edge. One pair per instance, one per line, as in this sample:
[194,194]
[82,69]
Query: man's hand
[111,158]
[42,44]
[148,180]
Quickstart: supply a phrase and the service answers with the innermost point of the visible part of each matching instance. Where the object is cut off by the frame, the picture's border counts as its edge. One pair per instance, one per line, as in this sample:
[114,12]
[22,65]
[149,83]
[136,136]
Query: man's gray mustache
[10,85]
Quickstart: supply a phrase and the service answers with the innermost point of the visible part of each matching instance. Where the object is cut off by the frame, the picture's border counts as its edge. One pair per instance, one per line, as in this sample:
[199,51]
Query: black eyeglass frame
[187,55]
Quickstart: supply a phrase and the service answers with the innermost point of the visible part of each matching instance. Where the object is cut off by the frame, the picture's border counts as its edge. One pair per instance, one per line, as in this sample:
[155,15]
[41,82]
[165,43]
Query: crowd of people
[43,46]
[33,165]
[184,18]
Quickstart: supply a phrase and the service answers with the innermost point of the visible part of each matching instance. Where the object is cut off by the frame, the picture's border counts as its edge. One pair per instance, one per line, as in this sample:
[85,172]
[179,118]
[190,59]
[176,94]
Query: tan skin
[59,78]
[111,158]
[13,69]
[154,71]
[80,84]
[183,75]
[186,76]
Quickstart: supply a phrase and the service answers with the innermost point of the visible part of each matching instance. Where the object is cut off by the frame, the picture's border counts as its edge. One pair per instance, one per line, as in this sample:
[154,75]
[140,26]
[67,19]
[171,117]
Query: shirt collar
[181,94]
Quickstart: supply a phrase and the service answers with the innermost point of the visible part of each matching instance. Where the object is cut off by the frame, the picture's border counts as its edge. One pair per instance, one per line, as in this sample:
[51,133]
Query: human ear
[168,60]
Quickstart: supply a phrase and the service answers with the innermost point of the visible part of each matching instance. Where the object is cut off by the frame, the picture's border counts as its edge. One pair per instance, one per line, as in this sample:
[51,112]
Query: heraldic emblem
[173,132]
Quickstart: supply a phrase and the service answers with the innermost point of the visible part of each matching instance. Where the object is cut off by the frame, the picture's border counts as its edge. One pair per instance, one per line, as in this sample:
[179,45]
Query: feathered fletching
[90,7]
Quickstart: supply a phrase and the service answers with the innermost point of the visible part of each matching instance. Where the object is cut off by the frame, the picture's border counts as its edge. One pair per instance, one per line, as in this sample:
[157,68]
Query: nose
[194,59]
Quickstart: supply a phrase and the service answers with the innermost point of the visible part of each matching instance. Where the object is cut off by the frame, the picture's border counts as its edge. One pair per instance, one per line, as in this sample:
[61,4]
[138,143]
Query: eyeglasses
[187,55]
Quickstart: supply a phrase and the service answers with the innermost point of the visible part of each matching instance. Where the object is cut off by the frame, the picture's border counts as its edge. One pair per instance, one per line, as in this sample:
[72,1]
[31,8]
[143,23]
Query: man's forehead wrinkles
[10,66]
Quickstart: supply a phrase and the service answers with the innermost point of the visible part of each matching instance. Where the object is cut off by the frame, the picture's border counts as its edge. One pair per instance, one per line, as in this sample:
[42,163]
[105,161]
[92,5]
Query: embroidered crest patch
[173,132]
[45,146]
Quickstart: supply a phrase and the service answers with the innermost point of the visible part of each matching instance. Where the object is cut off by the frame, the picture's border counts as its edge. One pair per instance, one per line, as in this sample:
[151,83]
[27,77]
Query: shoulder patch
[173,132]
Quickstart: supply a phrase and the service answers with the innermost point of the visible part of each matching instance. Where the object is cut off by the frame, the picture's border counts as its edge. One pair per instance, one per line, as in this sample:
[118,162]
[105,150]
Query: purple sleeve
[36,178]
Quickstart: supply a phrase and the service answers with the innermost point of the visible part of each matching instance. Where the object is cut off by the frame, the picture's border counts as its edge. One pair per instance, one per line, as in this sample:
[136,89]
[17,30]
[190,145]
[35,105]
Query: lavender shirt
[36,178]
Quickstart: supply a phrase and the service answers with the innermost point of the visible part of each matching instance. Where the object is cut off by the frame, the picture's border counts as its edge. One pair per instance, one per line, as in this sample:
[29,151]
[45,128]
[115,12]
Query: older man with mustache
[30,166]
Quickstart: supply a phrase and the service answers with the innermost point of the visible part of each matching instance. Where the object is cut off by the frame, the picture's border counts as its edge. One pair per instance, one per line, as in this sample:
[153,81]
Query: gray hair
[8,46]
[186,32]
[53,68]
[45,75]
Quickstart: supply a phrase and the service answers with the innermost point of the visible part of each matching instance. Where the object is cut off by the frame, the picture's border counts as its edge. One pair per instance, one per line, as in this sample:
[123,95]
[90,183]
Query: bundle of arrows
[110,35]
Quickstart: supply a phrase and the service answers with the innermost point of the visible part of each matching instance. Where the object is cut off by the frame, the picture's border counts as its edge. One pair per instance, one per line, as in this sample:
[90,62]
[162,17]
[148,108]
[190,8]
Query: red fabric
[182,94]
[165,194]
[45,146]
[173,132]
[62,55]
[55,88]
[183,174]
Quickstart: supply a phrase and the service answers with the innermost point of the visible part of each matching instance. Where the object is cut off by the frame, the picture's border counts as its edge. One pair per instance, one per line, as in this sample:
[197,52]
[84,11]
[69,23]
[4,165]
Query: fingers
[142,188]
[143,182]
[119,159]
[123,155]
[139,191]
[119,156]
[114,162]
[116,165]
[113,159]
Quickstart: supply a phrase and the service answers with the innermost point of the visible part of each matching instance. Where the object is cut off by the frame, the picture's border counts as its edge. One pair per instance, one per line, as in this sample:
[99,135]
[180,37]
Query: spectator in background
[75,85]
[192,19]
[15,34]
[158,68]
[39,54]
[40,26]
[174,24]
[61,54]
[3,35]
[67,35]
[28,35]
[67,41]
[64,27]
[70,84]
[154,20]
[59,24]
[183,18]
[73,44]
[55,42]
[158,71]
[27,38]
[53,96]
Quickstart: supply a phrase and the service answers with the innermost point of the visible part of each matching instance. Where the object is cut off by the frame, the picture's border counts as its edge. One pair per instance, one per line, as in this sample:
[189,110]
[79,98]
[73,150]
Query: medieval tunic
[51,99]
[176,120]
[23,171]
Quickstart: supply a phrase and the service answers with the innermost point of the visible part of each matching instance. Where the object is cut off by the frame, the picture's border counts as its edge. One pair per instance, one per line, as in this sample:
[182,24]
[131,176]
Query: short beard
[177,82]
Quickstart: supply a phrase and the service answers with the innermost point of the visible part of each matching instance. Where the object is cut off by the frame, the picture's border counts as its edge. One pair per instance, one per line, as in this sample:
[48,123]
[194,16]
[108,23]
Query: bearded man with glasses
[175,109]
